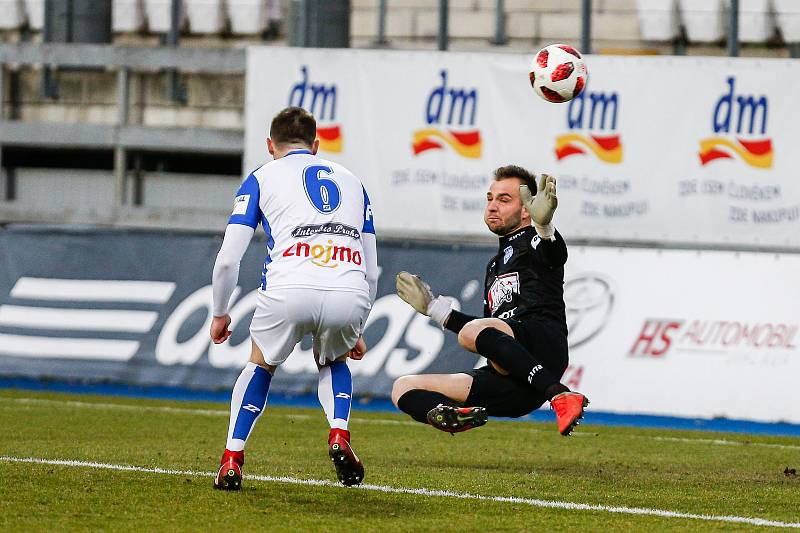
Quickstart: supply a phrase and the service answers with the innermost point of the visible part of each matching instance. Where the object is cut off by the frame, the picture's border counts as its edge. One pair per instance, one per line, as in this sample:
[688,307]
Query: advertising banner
[699,334]
[686,333]
[656,149]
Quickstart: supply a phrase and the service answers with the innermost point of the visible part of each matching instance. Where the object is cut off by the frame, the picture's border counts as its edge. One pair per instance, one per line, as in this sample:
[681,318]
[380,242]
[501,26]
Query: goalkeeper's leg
[438,400]
[497,341]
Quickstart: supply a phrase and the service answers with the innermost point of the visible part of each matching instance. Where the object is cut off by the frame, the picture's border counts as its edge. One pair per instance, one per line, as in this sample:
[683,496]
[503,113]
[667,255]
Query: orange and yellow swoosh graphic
[755,153]
[465,143]
[606,148]
[330,138]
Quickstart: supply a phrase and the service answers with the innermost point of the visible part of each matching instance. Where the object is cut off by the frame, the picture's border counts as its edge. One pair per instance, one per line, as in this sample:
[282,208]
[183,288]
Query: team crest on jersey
[503,290]
[507,253]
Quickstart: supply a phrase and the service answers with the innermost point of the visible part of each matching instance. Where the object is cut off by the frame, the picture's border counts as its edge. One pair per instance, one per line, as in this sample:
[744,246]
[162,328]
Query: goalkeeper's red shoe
[229,475]
[349,468]
[456,419]
[569,410]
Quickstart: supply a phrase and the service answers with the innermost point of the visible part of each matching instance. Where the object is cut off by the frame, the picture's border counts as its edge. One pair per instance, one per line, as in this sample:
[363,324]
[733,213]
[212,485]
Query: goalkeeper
[524,330]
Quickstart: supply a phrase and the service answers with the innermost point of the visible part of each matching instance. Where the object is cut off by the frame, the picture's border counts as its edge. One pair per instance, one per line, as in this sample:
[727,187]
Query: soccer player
[320,278]
[524,330]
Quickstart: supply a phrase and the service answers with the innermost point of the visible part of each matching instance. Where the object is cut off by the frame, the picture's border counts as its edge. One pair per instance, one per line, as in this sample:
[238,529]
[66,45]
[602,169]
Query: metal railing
[500,36]
[121,137]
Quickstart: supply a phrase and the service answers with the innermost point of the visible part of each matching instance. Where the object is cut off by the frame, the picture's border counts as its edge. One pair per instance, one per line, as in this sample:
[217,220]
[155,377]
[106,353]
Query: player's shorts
[505,396]
[544,340]
[501,395]
[283,316]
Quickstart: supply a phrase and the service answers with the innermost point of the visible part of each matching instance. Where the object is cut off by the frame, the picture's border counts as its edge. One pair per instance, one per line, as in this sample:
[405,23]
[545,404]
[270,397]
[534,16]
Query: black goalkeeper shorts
[505,396]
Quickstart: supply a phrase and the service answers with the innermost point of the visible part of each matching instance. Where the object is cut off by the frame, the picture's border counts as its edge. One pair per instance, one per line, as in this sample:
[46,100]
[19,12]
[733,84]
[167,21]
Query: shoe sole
[577,420]
[446,419]
[348,472]
[230,481]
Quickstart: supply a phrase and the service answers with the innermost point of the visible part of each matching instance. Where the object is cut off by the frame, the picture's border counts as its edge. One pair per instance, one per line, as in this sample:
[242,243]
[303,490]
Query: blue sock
[247,403]
[335,393]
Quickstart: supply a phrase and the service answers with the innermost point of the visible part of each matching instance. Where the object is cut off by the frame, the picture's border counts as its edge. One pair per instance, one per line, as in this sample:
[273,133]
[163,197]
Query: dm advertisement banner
[665,149]
[698,334]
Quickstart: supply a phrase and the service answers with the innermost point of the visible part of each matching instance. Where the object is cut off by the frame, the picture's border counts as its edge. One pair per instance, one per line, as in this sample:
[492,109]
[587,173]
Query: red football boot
[229,476]
[456,419]
[569,410]
[349,468]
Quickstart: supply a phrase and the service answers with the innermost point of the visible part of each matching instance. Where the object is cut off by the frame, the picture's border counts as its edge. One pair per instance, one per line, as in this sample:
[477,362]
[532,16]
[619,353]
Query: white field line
[720,442]
[571,506]
[373,421]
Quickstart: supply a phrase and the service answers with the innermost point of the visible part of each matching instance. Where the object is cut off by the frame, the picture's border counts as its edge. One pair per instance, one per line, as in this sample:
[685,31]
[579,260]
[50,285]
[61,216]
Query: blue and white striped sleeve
[246,209]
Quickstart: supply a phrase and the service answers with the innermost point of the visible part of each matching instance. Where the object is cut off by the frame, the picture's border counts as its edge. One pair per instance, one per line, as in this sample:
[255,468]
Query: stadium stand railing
[111,97]
[119,135]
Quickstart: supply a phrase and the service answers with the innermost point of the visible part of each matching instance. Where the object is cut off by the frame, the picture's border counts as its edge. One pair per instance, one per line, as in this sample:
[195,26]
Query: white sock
[247,403]
[335,393]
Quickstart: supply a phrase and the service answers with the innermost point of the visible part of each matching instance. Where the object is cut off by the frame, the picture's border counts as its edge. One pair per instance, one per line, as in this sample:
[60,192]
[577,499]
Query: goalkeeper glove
[418,295]
[542,206]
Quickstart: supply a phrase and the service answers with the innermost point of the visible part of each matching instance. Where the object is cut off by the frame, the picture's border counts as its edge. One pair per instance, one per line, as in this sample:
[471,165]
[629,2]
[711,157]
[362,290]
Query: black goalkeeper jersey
[525,280]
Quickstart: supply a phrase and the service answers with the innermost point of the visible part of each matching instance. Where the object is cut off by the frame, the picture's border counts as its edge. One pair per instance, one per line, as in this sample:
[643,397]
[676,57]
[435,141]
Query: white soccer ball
[558,73]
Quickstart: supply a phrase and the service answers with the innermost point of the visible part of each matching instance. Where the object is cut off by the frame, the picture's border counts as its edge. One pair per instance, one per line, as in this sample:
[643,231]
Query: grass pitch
[716,474]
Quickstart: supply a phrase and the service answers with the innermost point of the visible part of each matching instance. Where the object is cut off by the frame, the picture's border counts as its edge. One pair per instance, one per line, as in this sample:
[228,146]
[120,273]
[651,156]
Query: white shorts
[283,316]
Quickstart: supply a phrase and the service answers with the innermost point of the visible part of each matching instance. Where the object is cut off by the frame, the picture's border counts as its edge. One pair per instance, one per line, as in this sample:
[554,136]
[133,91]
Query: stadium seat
[658,19]
[127,16]
[704,20]
[788,17]
[248,17]
[158,15]
[205,16]
[756,21]
[34,10]
[11,14]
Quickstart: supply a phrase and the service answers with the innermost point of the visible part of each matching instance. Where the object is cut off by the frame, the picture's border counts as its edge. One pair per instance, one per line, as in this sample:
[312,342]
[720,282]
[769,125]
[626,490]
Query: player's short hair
[293,125]
[514,171]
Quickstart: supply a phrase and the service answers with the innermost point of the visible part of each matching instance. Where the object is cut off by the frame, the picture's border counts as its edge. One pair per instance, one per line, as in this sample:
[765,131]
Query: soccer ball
[558,73]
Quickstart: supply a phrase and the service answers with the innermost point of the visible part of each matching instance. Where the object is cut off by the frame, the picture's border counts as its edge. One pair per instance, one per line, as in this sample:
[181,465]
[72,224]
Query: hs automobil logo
[739,122]
[320,100]
[592,124]
[450,117]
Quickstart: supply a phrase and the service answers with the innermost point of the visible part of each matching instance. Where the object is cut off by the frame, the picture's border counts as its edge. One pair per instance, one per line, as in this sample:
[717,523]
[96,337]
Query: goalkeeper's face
[504,213]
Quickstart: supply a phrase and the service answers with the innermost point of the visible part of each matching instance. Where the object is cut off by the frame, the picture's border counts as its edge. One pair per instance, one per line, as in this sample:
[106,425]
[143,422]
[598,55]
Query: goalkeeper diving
[523,332]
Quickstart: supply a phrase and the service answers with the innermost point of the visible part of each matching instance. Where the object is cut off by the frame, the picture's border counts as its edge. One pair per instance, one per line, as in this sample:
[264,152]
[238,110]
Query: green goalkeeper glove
[541,207]
[418,295]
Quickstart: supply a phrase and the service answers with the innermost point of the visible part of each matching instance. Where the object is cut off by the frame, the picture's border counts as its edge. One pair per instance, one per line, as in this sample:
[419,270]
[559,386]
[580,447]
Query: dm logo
[592,120]
[320,100]
[749,116]
[450,115]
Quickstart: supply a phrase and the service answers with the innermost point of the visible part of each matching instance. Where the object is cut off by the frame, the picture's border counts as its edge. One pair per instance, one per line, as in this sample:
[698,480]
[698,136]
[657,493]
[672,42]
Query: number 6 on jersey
[322,191]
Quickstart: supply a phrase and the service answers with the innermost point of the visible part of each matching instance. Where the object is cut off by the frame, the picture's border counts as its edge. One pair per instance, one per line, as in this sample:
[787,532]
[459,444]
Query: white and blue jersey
[314,213]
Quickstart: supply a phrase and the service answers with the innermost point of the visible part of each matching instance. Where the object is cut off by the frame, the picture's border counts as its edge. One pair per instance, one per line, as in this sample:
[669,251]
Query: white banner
[665,149]
[696,334]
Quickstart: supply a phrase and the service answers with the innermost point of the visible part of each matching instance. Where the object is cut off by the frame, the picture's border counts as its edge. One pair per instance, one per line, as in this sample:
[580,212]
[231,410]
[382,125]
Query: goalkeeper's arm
[418,295]
[551,249]
[457,320]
